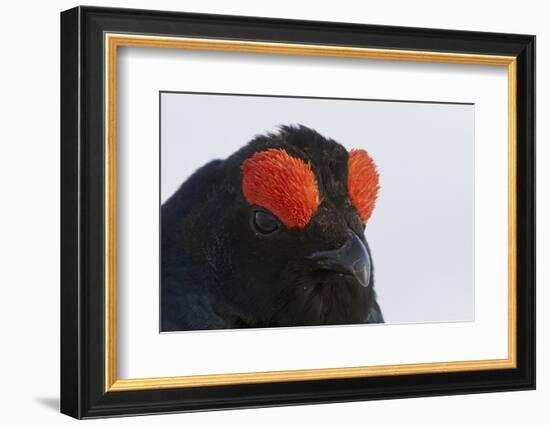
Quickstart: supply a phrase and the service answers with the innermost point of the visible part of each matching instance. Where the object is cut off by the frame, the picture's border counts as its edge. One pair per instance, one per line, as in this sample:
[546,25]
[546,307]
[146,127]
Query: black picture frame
[83,392]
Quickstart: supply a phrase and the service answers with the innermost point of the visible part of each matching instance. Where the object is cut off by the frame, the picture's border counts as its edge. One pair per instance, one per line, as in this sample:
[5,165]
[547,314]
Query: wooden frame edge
[136,384]
[113,40]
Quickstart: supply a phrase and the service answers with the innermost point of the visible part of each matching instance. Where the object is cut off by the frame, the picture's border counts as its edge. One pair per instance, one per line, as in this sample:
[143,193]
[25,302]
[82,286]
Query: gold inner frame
[113,41]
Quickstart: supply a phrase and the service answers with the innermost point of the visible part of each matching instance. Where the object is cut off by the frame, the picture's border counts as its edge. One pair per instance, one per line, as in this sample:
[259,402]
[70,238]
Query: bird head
[276,232]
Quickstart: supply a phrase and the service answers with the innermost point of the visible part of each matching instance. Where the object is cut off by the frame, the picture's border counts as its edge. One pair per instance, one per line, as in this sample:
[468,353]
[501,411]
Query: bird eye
[265,222]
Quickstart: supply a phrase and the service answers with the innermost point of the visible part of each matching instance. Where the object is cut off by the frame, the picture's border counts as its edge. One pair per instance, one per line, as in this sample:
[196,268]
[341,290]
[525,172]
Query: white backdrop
[29,171]
[143,72]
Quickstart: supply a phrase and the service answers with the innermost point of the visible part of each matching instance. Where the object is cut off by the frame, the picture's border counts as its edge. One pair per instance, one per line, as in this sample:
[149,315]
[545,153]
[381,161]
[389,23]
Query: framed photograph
[261,212]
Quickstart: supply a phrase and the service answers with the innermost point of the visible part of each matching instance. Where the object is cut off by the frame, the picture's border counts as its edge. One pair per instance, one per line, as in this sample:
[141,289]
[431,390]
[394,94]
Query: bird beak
[351,258]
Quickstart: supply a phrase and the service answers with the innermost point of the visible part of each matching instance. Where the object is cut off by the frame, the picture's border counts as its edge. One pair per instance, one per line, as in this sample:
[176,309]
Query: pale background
[144,73]
[421,231]
[30,229]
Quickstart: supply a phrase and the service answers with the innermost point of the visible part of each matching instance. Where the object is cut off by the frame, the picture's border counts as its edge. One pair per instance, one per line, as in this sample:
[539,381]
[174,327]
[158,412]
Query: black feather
[217,272]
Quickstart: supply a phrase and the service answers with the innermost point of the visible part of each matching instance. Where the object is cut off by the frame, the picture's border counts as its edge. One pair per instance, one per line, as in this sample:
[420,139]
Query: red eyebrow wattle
[282,184]
[362,182]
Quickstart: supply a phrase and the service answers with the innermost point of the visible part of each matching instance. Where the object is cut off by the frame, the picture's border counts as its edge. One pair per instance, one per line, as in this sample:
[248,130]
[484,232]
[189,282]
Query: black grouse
[271,236]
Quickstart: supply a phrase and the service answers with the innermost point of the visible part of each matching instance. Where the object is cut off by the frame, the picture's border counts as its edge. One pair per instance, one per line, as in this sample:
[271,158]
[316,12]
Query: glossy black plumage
[219,271]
